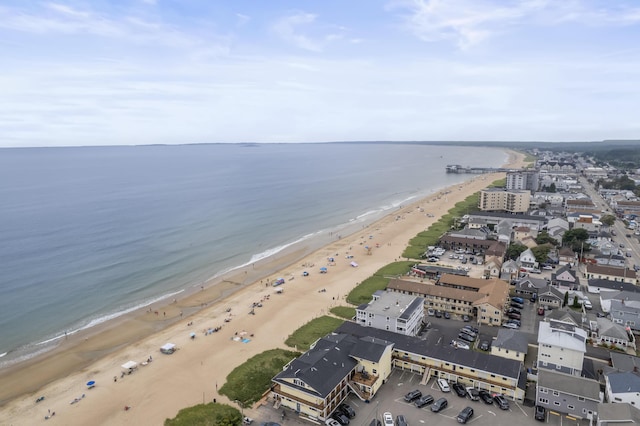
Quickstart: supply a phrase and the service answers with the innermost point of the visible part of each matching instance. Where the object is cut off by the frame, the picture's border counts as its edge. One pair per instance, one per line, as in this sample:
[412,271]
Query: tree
[515,250]
[541,252]
[565,302]
[575,304]
[544,238]
[608,219]
[576,239]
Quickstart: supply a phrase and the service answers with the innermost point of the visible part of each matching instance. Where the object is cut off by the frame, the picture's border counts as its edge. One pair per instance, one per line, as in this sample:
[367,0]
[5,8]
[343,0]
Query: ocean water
[88,234]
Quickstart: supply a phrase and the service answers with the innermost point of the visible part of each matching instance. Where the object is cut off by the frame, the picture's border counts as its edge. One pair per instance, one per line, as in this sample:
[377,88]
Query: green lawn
[346,312]
[206,415]
[302,338]
[378,281]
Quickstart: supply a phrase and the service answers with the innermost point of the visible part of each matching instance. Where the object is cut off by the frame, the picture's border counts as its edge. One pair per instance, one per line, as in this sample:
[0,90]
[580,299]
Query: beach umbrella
[91,384]
[192,335]
[323,269]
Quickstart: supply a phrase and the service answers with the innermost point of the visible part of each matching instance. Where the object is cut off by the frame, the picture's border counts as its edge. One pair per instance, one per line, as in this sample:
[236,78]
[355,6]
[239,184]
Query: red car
[540,311]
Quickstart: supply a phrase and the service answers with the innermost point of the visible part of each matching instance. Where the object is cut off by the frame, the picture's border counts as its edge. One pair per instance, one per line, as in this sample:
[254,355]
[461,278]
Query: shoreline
[90,353]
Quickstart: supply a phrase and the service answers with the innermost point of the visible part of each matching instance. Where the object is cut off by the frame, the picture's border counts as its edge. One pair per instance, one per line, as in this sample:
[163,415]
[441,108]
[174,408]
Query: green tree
[565,302]
[575,304]
[514,250]
[544,238]
[576,239]
[608,219]
[541,252]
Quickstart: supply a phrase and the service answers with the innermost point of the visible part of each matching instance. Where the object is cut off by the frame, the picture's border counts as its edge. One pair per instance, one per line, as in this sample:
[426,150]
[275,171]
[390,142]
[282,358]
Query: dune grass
[302,338]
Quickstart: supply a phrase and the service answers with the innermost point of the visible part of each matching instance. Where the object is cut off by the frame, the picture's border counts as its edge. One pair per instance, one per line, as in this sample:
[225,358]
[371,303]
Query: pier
[456,168]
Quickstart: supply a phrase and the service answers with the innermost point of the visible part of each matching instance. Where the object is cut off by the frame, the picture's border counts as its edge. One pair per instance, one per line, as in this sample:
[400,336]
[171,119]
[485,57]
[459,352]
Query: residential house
[625,312]
[623,387]
[572,395]
[621,414]
[550,297]
[527,260]
[589,222]
[468,244]
[509,270]
[629,298]
[606,272]
[561,347]
[520,233]
[606,332]
[566,256]
[613,260]
[528,286]
[395,312]
[565,278]
[510,344]
[556,228]
[492,269]
[596,285]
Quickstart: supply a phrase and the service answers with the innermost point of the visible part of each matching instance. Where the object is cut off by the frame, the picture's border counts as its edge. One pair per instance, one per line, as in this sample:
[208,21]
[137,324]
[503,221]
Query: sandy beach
[161,388]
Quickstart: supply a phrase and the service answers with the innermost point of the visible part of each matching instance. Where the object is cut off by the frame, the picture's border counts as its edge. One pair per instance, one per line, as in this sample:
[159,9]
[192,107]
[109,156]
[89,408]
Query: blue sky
[123,72]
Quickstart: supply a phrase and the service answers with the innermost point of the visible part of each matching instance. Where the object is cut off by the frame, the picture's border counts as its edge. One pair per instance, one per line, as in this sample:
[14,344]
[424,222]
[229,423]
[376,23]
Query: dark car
[466,337]
[439,405]
[375,422]
[471,328]
[469,332]
[341,418]
[401,421]
[473,393]
[501,401]
[513,311]
[347,410]
[412,396]
[459,390]
[517,305]
[269,424]
[447,315]
[485,396]
[438,314]
[541,413]
[484,345]
[423,401]
[513,315]
[465,415]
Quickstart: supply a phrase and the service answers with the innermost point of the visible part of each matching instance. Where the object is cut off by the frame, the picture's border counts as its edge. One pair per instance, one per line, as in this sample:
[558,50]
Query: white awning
[130,365]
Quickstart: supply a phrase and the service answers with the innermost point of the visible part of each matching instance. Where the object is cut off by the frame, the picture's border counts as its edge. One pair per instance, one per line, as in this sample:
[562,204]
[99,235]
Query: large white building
[523,180]
[561,347]
[395,312]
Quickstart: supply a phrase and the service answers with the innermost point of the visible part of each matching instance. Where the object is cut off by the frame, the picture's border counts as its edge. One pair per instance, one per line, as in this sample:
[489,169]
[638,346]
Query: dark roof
[613,285]
[512,340]
[509,216]
[623,382]
[624,362]
[572,385]
[418,302]
[440,269]
[611,270]
[475,359]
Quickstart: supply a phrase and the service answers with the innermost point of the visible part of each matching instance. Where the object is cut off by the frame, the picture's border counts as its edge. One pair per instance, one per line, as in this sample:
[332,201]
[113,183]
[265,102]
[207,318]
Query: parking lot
[390,398]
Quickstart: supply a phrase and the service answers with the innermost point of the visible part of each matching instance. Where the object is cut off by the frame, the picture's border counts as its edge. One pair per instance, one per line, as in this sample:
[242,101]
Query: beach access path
[192,375]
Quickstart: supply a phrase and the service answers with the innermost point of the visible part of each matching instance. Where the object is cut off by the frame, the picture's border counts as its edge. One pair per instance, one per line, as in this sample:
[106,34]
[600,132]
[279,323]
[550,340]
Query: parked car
[513,311]
[540,310]
[510,325]
[401,421]
[460,344]
[388,419]
[485,397]
[587,304]
[431,312]
[412,396]
[473,393]
[519,300]
[375,422]
[517,305]
[423,401]
[466,318]
[465,415]
[484,345]
[471,328]
[438,314]
[459,390]
[501,401]
[447,315]
[347,410]
[513,315]
[466,337]
[439,405]
[514,321]
[443,385]
[341,418]
[469,332]
[331,422]
[540,413]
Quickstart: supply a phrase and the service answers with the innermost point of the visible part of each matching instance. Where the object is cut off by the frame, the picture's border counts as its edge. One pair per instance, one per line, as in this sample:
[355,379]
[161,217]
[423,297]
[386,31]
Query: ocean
[91,233]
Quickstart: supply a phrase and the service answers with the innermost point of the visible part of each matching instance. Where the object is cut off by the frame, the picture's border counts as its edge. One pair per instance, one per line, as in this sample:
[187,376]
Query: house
[529,286]
[575,396]
[610,334]
[561,347]
[625,312]
[596,285]
[468,244]
[432,359]
[606,272]
[522,232]
[629,298]
[550,297]
[509,270]
[621,414]
[566,256]
[556,228]
[395,312]
[317,382]
[614,260]
[567,315]
[492,269]
[622,387]
[510,344]
[527,260]
[486,218]
[565,278]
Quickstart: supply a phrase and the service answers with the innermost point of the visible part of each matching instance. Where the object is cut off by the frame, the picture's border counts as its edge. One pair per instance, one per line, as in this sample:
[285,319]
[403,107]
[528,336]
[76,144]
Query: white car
[388,419]
[510,325]
[331,422]
[459,344]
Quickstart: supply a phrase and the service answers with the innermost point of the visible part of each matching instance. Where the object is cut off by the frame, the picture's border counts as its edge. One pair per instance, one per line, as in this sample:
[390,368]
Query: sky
[130,72]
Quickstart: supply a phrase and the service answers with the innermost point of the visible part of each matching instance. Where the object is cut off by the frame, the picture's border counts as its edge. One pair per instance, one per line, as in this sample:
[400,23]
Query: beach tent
[168,348]
[354,264]
[323,270]
[279,281]
[130,365]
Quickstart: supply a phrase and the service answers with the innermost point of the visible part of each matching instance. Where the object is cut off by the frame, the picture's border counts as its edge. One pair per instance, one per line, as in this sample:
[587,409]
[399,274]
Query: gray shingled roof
[478,360]
[624,362]
[512,340]
[571,385]
[618,413]
[624,382]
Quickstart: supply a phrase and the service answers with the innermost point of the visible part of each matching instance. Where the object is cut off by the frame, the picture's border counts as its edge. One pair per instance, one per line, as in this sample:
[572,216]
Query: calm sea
[88,234]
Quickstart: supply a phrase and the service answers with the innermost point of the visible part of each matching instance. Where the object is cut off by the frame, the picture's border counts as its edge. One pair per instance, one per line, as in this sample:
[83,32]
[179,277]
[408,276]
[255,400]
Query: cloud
[288,28]
[242,19]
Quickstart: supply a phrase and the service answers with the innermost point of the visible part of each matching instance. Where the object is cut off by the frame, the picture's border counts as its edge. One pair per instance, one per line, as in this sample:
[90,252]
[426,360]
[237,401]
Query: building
[523,180]
[606,332]
[576,396]
[621,414]
[503,200]
[529,286]
[565,278]
[561,347]
[317,382]
[395,312]
[550,297]
[622,387]
[597,286]
[606,272]
[510,344]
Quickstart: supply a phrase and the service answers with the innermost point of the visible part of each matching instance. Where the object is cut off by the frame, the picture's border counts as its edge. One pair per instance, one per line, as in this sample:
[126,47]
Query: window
[298,382]
[570,407]
[617,399]
[374,371]
[543,400]
[580,398]
[556,393]
[542,390]
[556,403]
